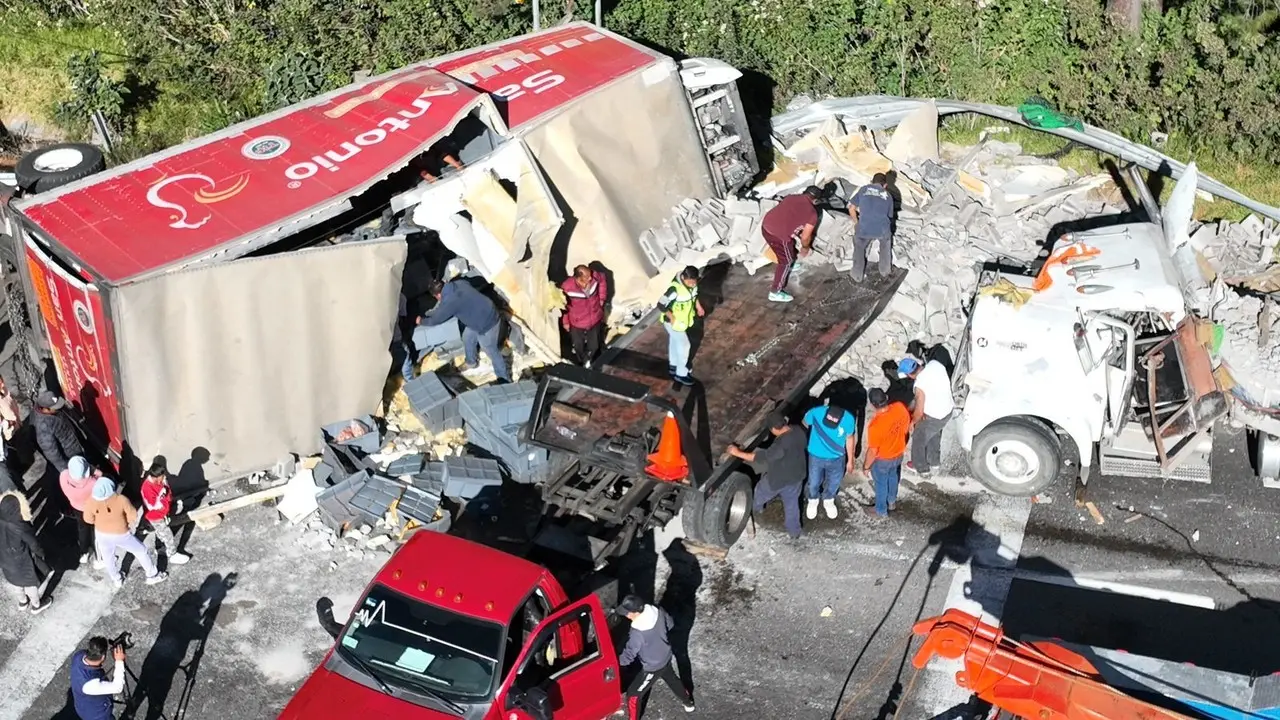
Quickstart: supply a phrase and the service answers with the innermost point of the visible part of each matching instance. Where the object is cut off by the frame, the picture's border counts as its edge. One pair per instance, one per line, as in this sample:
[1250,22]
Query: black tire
[691,511]
[57,165]
[727,511]
[1016,456]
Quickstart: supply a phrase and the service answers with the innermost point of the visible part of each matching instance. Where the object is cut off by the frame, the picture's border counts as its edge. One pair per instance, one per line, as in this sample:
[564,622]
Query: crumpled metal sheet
[885,111]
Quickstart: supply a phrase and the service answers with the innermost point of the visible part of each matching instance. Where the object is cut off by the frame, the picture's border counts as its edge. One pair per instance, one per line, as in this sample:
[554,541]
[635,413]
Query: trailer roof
[244,182]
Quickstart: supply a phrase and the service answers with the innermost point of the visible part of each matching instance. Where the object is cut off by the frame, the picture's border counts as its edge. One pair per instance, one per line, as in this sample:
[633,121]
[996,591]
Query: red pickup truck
[451,628]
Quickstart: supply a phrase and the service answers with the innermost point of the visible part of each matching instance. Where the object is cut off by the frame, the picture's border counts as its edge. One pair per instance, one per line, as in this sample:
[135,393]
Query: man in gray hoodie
[648,643]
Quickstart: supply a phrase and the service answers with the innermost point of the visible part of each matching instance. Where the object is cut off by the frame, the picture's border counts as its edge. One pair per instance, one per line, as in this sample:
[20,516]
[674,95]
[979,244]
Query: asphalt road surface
[815,629]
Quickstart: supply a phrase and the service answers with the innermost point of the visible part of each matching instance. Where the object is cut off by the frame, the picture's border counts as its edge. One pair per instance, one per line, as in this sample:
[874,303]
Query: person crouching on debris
[113,518]
[21,557]
[481,323]
[583,316]
[90,690]
[77,485]
[157,501]
[886,443]
[648,643]
[873,206]
[680,307]
[784,467]
[791,221]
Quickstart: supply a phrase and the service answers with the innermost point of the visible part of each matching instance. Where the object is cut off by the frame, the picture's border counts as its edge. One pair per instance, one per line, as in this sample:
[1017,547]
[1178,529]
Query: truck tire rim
[736,515]
[1013,462]
[59,160]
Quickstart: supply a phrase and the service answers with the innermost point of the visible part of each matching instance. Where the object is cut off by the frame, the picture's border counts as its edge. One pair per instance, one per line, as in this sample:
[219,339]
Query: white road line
[978,587]
[54,635]
[1094,583]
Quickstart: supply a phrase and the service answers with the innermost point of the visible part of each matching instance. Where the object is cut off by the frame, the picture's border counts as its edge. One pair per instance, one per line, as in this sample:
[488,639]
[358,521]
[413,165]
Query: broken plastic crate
[344,461]
[419,504]
[434,336]
[334,502]
[368,443]
[407,465]
[511,403]
[466,477]
[432,402]
[431,478]
[375,496]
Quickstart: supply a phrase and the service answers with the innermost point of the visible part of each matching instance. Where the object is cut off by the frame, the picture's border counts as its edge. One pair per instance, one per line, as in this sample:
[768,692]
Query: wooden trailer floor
[749,355]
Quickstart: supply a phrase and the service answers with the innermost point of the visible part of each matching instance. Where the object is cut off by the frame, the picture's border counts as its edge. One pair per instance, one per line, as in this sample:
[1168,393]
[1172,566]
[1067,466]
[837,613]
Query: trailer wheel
[727,511]
[1016,456]
[54,166]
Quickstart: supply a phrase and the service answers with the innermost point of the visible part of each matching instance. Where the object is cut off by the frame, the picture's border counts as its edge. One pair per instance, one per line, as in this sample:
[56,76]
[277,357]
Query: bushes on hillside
[1204,71]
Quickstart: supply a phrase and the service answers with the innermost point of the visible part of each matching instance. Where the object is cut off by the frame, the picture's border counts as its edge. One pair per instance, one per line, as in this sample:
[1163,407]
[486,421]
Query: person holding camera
[91,692]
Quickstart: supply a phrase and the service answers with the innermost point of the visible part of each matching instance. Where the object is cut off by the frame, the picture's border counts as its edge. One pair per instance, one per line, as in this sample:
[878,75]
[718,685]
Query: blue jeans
[678,348]
[825,476]
[790,496]
[473,341]
[884,475]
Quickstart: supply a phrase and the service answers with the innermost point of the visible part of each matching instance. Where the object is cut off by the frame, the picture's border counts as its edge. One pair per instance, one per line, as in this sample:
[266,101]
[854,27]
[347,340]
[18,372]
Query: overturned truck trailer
[207,299]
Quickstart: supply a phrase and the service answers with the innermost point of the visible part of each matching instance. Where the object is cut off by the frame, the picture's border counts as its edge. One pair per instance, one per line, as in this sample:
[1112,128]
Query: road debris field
[815,627]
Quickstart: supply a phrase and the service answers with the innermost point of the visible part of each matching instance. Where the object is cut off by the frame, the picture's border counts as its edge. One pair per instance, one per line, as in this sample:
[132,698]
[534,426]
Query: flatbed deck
[749,355]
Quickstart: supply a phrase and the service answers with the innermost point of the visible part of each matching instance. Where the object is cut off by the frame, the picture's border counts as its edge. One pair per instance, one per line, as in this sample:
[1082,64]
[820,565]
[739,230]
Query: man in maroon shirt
[792,220]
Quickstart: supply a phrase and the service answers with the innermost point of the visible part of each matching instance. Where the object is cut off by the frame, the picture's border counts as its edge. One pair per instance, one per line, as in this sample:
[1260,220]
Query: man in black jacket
[648,643]
[55,433]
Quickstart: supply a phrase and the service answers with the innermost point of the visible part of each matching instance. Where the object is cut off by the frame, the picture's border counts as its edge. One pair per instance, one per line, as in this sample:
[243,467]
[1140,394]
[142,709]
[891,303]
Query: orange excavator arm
[1036,681]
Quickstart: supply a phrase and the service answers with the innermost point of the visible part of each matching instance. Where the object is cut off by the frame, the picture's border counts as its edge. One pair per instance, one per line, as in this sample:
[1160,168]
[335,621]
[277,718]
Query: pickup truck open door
[581,684]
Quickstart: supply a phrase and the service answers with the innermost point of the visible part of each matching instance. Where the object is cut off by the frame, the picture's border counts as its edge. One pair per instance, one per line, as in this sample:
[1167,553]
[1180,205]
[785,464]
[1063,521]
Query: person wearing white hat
[113,518]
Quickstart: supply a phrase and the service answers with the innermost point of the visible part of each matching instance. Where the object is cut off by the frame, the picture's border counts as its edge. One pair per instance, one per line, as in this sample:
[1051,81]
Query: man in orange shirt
[886,443]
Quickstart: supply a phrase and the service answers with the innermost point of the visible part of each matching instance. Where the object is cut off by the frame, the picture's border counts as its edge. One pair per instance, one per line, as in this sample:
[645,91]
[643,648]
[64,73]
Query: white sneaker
[179,559]
[587,364]
[85,558]
[811,509]
[99,563]
[830,507]
[157,578]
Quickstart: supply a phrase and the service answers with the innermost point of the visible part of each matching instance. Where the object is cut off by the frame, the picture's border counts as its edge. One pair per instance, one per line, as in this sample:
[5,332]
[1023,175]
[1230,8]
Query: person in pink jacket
[77,484]
[583,316]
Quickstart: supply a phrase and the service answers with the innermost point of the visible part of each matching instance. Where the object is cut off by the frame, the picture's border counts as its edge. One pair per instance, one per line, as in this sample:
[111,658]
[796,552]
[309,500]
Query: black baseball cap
[833,417]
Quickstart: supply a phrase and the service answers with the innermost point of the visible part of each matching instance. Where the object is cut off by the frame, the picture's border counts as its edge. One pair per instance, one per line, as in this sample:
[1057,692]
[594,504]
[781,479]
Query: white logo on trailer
[265,147]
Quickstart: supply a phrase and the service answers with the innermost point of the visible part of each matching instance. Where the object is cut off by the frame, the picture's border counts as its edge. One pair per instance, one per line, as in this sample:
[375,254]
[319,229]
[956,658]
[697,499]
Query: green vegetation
[1205,72]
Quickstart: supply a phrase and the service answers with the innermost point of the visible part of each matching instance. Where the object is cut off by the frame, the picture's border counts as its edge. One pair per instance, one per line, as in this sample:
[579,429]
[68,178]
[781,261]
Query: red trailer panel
[80,338]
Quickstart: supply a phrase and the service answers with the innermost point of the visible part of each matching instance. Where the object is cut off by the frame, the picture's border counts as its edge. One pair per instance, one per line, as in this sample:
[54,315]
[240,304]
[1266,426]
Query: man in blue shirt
[832,436]
[481,323]
[873,207]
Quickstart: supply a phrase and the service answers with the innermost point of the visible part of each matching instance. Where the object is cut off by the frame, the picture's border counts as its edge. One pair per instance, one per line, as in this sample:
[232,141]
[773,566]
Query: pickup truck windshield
[422,647]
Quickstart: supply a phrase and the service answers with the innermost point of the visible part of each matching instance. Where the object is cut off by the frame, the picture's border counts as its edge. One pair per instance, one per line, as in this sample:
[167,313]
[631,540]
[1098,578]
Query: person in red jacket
[583,316]
[157,501]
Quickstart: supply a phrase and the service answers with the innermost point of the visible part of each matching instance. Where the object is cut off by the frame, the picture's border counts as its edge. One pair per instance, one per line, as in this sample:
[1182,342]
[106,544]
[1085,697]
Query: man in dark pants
[648,643]
[583,316]
[481,323]
[90,690]
[929,414]
[55,433]
[791,221]
[873,206]
[784,466]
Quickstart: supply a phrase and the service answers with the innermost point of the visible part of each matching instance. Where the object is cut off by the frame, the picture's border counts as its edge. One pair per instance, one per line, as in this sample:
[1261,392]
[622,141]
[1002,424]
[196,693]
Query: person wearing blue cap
[832,438]
[114,519]
[929,414]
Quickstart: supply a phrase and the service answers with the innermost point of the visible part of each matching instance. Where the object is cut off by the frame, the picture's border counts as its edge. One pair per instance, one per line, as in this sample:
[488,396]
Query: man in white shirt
[91,692]
[929,416]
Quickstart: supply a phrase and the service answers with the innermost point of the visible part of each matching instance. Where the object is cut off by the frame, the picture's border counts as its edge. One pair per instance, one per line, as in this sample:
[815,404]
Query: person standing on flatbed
[791,221]
[680,307]
[873,206]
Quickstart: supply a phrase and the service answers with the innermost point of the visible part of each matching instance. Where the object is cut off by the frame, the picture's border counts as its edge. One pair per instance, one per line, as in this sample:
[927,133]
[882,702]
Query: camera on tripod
[124,641]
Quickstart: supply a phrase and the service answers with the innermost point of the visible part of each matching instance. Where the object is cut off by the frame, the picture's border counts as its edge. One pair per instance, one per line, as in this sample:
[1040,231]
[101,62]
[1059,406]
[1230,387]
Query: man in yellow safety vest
[680,306]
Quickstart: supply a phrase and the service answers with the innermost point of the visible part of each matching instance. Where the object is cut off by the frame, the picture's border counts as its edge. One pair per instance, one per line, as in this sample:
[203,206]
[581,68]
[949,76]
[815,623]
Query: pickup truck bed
[749,354]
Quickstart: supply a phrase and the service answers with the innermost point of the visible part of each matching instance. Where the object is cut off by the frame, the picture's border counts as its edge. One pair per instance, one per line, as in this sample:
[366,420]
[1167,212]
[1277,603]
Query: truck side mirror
[324,613]
[534,702]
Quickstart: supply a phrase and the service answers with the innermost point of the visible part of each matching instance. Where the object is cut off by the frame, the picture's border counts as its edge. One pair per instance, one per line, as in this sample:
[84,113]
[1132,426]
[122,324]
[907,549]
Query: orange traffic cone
[669,462]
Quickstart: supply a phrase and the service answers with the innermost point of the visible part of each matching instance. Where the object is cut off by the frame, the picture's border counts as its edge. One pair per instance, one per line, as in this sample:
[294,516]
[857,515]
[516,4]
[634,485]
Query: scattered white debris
[826,611]
[1195,536]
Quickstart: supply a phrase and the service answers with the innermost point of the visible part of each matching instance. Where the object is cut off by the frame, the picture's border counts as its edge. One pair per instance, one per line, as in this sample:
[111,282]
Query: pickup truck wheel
[54,166]
[728,510]
[1015,456]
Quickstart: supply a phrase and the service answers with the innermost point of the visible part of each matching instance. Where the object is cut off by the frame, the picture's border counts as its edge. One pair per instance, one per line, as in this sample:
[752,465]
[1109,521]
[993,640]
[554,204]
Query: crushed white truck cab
[1094,354]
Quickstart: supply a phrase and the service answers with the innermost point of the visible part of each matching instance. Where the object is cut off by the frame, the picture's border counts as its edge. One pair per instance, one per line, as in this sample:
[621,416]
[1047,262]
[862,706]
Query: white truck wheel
[1016,456]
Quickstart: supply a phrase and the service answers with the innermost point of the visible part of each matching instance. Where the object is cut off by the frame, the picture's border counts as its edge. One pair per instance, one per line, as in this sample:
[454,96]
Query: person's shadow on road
[680,600]
[188,622]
